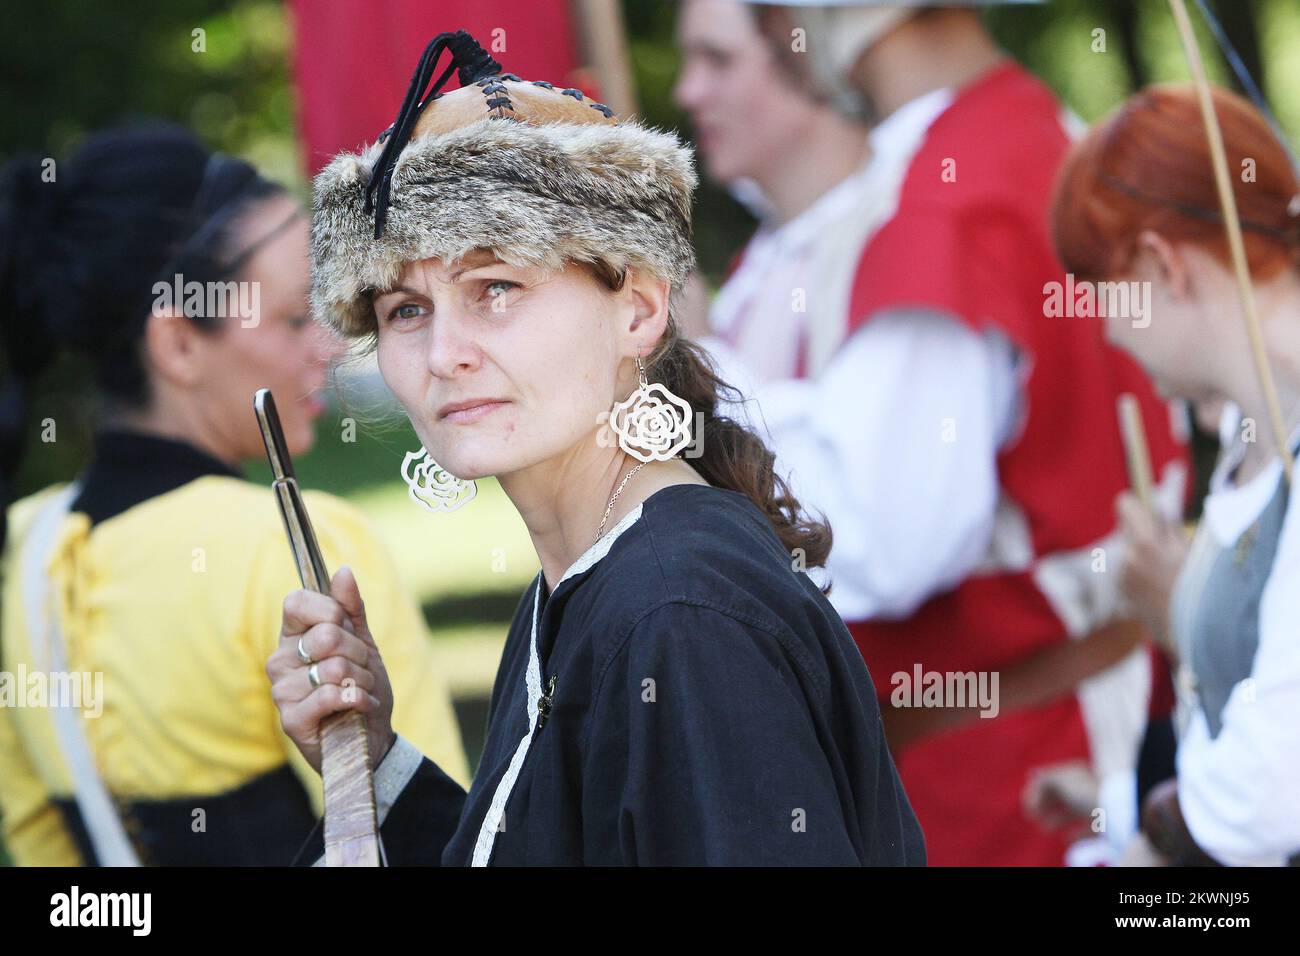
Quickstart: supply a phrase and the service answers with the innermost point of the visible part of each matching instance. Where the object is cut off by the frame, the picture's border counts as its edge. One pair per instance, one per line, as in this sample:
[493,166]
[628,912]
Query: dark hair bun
[82,254]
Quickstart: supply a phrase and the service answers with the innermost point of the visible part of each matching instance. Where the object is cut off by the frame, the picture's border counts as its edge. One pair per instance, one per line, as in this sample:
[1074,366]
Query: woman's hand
[1153,556]
[1062,794]
[334,634]
[1166,829]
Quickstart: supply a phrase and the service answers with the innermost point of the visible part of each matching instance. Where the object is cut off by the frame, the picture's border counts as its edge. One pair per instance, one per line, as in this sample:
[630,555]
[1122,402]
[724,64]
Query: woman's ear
[172,347]
[649,298]
[1158,259]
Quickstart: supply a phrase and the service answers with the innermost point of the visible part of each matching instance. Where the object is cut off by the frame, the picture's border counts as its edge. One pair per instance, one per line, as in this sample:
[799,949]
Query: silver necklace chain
[614,497]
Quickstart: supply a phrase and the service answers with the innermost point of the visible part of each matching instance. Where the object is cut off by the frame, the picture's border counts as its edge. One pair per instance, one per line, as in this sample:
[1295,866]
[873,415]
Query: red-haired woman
[1136,202]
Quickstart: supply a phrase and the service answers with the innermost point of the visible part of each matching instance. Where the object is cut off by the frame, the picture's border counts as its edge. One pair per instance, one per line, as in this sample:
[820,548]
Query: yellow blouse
[176,602]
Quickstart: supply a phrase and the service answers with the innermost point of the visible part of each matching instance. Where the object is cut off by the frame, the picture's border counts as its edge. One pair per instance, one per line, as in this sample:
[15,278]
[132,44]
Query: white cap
[840,31]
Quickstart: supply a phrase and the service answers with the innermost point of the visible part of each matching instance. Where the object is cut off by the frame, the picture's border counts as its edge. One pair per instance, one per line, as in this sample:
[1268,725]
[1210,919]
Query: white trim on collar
[496,811]
[603,543]
[903,130]
[606,541]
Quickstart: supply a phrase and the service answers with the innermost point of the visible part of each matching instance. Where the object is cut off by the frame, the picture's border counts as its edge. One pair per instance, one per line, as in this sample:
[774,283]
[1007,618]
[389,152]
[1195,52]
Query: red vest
[970,238]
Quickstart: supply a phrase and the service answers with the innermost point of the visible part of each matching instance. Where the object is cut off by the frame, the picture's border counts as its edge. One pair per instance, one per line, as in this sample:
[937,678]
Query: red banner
[353,59]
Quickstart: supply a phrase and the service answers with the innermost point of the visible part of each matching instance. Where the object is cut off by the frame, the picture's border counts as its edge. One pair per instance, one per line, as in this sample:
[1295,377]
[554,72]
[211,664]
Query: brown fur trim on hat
[536,195]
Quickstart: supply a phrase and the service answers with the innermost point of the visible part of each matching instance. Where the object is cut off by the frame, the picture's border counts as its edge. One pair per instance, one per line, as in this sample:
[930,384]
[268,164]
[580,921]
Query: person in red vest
[963,440]
[799,166]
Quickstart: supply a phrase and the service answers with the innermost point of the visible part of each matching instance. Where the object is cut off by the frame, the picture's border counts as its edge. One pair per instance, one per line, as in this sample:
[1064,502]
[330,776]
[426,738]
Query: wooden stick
[351,824]
[603,42]
[1232,225]
[1136,452]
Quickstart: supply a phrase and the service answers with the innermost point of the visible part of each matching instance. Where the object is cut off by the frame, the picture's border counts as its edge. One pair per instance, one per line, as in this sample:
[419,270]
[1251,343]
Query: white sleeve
[1240,791]
[1117,797]
[896,445]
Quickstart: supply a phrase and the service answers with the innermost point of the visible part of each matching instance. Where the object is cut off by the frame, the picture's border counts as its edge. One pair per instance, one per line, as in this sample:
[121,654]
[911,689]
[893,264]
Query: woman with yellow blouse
[116,589]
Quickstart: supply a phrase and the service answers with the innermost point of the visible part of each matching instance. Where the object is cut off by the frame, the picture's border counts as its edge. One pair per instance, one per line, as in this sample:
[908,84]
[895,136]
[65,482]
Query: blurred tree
[70,67]
[1126,20]
[1238,18]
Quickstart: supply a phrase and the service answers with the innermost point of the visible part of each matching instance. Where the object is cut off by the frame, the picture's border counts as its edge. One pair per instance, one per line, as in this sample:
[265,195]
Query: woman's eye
[408,311]
[496,288]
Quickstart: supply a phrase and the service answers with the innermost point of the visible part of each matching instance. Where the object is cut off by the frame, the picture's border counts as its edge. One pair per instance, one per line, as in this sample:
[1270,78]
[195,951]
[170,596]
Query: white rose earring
[653,424]
[433,487]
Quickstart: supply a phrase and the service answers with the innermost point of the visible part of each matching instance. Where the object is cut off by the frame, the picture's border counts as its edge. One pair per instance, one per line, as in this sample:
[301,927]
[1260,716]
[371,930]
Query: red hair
[1147,166]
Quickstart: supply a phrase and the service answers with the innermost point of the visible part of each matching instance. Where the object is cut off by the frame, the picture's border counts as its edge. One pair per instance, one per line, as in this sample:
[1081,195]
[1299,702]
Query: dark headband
[216,200]
[1196,212]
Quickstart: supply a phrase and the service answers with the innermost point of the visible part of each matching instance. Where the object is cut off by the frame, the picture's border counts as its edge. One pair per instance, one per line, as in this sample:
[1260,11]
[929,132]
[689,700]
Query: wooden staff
[1232,226]
[351,825]
[1136,452]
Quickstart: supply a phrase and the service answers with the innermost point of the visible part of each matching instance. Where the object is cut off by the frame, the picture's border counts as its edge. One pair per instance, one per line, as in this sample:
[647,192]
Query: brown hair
[1147,166]
[732,456]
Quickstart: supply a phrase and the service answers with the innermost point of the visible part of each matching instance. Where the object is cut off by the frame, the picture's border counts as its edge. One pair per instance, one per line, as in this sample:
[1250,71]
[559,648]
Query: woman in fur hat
[674,689]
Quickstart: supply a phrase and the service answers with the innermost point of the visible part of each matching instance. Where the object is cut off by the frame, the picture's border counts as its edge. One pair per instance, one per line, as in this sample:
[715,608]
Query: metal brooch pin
[544,703]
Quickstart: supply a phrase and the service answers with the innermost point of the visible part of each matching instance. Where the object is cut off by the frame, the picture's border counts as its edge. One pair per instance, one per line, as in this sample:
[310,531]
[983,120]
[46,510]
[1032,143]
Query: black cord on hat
[471,60]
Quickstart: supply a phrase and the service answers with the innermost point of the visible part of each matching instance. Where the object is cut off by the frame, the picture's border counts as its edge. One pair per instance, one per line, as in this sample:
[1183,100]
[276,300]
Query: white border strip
[488,830]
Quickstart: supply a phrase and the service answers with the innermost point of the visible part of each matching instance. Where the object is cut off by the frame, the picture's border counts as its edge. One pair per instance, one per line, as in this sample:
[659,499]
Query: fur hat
[538,175]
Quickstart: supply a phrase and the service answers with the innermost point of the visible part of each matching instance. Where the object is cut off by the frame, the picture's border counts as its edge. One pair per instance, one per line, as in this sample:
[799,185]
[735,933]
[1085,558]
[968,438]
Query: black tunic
[696,701]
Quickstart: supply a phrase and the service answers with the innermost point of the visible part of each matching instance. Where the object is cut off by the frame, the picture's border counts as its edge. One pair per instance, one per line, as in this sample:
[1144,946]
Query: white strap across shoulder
[45,634]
